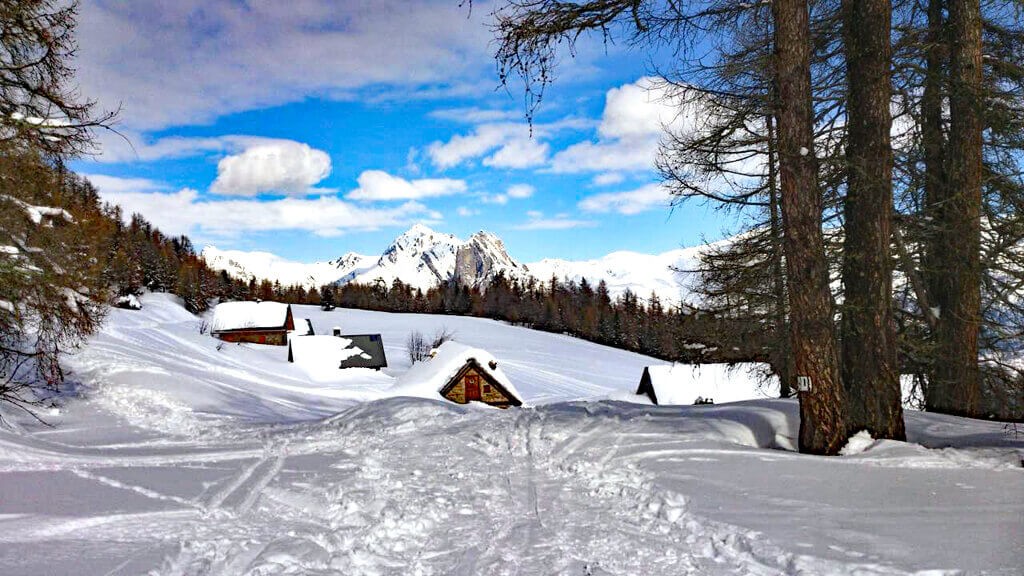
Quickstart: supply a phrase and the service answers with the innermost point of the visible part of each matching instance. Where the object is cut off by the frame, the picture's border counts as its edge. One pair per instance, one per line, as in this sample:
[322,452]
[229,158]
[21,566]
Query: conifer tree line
[65,257]
[873,150]
[674,333]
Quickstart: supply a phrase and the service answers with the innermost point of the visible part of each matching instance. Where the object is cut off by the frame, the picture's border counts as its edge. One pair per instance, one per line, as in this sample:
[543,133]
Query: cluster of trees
[856,138]
[64,258]
[50,291]
[675,333]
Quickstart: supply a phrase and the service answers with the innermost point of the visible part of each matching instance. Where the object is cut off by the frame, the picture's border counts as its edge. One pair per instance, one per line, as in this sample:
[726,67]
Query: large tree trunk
[870,372]
[812,334]
[934,145]
[956,378]
[782,358]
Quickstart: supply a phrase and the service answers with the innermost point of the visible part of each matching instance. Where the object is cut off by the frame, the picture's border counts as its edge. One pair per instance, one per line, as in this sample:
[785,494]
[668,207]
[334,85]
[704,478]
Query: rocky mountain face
[424,258]
[420,257]
[482,258]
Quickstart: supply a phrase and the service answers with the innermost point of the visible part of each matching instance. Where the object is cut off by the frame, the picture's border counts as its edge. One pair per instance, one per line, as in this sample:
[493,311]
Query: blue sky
[313,128]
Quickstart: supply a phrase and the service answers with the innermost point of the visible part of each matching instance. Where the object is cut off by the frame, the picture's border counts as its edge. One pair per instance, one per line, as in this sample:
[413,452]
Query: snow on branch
[37,213]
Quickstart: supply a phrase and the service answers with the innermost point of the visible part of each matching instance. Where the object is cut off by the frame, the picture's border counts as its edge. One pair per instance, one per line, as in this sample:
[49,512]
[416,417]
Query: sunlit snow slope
[179,458]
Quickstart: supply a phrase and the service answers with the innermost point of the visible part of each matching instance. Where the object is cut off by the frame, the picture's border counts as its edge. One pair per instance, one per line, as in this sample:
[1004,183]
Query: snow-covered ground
[176,457]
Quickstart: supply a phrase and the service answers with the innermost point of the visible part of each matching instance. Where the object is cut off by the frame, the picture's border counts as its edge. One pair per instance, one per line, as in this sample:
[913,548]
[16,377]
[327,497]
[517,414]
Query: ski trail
[148,493]
[263,479]
[218,498]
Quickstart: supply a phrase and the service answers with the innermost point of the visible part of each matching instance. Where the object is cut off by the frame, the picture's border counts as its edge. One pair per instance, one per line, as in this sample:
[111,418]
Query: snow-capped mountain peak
[482,258]
[349,261]
[423,258]
[420,257]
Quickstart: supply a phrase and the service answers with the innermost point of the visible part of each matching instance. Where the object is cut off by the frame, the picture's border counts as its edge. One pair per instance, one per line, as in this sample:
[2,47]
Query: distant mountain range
[423,258]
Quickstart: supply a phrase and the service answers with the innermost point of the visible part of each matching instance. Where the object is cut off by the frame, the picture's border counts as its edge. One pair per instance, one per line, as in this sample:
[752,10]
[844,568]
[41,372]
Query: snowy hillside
[422,258]
[259,265]
[181,456]
[664,274]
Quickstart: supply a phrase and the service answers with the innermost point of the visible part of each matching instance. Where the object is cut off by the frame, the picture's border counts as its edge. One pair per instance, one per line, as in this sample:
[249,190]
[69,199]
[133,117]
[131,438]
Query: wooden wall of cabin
[271,338]
[489,394]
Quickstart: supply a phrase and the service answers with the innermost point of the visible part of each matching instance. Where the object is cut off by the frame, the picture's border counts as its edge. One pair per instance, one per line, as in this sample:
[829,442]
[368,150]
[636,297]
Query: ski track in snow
[381,489]
[201,461]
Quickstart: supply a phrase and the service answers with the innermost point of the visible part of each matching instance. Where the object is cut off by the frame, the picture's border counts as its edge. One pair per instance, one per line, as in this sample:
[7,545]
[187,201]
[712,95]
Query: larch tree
[956,377]
[50,291]
[529,32]
[812,332]
[870,371]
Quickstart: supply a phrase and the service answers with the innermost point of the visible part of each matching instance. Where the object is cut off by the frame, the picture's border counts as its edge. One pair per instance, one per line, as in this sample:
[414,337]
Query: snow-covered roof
[685,383]
[249,315]
[373,355]
[429,377]
[321,351]
[303,327]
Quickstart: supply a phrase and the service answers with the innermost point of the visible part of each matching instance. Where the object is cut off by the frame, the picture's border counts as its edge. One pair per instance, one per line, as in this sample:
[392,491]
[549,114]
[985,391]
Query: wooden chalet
[462,375]
[255,322]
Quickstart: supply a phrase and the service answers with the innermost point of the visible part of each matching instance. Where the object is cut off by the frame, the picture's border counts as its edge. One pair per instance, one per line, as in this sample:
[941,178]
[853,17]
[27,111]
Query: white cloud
[537,221]
[131,146]
[114,184]
[635,117]
[515,191]
[510,145]
[191,61]
[519,153]
[185,212]
[466,212]
[279,166]
[379,185]
[474,115]
[609,179]
[483,139]
[520,191]
[649,197]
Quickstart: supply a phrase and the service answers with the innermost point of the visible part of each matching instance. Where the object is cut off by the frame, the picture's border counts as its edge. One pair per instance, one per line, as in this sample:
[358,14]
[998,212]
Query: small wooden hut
[255,322]
[462,375]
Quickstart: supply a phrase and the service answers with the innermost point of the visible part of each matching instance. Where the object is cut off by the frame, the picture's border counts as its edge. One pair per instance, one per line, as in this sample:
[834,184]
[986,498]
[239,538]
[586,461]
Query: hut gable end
[481,387]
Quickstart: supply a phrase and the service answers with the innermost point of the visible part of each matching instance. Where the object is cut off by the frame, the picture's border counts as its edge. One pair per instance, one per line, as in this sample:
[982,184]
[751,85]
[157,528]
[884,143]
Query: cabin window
[487,388]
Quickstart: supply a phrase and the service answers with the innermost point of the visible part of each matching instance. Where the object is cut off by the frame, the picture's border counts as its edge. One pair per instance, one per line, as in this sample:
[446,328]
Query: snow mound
[684,384]
[321,356]
[857,443]
[426,379]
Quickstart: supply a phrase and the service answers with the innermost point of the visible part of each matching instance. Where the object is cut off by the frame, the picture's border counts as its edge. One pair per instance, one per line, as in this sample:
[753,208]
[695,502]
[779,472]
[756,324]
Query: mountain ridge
[422,258]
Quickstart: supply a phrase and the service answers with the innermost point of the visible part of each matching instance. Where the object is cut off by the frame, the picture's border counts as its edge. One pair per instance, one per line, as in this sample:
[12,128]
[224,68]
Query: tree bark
[956,378]
[783,358]
[933,141]
[870,371]
[812,334]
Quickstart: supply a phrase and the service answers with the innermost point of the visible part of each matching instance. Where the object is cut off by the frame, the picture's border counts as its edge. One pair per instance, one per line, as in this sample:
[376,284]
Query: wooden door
[472,383]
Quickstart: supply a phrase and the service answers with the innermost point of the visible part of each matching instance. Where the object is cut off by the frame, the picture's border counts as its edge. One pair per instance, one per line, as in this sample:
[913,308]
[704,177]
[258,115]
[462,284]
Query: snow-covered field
[176,457]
